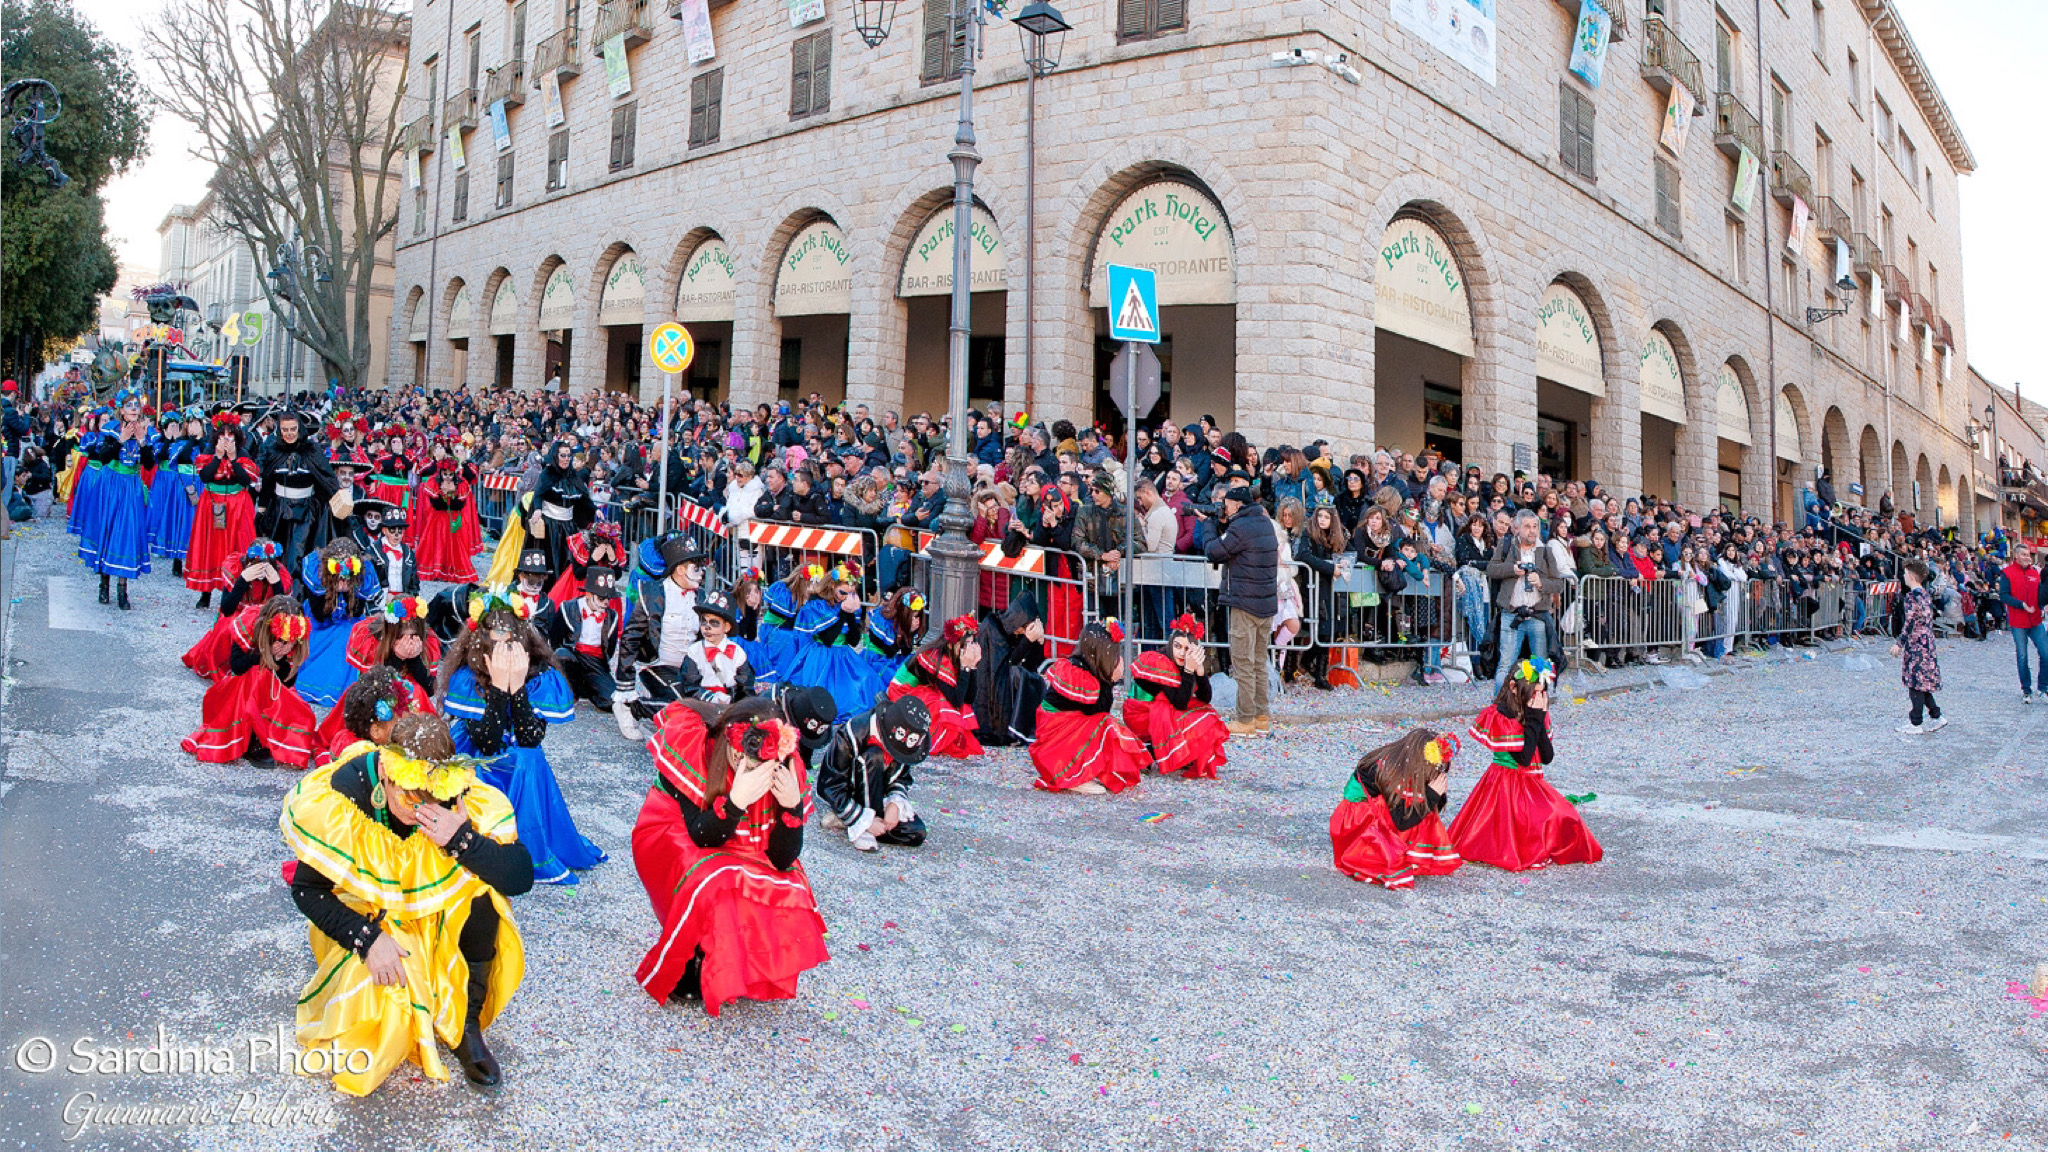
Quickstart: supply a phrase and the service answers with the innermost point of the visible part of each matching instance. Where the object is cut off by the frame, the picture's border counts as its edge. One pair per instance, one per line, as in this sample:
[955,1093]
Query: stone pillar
[1696,471]
[587,350]
[877,331]
[1499,391]
[756,337]
[1305,358]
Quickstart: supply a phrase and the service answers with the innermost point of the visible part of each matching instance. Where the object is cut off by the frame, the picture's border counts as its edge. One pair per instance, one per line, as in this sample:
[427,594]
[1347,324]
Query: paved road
[1802,938]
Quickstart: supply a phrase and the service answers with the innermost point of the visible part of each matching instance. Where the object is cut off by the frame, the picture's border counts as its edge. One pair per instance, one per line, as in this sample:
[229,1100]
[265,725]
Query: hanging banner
[1567,344]
[455,149]
[1677,119]
[1460,29]
[618,76]
[1843,269]
[1746,172]
[1663,382]
[551,96]
[1179,233]
[1589,42]
[501,128]
[802,12]
[1795,239]
[696,18]
[1419,288]
[412,167]
[928,269]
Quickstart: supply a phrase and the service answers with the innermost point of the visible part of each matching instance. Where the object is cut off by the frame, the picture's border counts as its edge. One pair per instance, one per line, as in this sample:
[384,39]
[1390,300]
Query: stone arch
[1834,446]
[1870,465]
[412,301]
[1947,499]
[1923,475]
[1756,455]
[541,275]
[1069,252]
[1693,467]
[589,294]
[664,277]
[1802,421]
[1898,480]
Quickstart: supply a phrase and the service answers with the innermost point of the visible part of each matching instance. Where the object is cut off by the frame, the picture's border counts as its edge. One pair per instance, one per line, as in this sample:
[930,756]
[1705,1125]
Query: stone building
[1397,222]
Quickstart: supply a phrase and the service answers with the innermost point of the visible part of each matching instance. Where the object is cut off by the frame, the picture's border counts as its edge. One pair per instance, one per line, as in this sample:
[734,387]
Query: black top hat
[601,580]
[535,561]
[812,710]
[679,550]
[716,604]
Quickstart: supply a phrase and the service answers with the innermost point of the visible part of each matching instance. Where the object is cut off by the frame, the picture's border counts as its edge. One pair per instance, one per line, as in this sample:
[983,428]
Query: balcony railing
[1736,127]
[1829,219]
[1944,334]
[1666,60]
[506,82]
[557,54]
[418,134]
[1897,289]
[1789,180]
[633,19]
[1923,310]
[460,110]
[1868,256]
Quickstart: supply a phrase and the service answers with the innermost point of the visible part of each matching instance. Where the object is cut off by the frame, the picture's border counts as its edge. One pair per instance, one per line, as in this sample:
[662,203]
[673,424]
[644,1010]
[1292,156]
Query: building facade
[1397,222]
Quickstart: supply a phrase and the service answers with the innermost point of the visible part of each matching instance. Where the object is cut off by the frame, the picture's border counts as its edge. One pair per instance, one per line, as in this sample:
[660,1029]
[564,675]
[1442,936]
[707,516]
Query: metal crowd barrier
[1632,617]
[1170,585]
[776,546]
[492,504]
[1421,618]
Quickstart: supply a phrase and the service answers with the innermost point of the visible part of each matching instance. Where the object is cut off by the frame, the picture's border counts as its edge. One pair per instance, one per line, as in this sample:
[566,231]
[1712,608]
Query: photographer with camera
[1528,581]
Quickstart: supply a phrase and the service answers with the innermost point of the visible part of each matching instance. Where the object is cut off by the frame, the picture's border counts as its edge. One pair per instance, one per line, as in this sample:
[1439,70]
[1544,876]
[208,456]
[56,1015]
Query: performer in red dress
[1386,829]
[256,714]
[254,576]
[1169,705]
[1514,819]
[395,637]
[938,674]
[224,523]
[716,846]
[390,477]
[600,544]
[1081,746]
[441,543]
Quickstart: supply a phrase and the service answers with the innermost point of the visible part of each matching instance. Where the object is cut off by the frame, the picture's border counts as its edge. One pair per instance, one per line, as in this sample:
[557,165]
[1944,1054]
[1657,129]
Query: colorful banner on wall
[455,149]
[618,75]
[1460,29]
[412,167]
[1589,42]
[551,96]
[1795,237]
[1746,172]
[501,127]
[1677,118]
[802,12]
[696,18]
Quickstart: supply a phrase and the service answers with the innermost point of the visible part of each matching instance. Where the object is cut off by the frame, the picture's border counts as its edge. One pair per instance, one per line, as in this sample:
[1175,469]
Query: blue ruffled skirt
[840,670]
[528,780]
[774,655]
[327,673]
[116,541]
[170,511]
[82,501]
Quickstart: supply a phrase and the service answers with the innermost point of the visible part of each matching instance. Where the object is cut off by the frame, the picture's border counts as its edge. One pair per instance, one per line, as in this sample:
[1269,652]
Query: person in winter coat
[1248,549]
[864,777]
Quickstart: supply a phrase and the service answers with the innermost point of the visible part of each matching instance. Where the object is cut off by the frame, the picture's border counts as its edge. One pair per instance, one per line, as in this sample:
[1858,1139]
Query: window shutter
[821,71]
[800,77]
[632,130]
[1587,168]
[1567,127]
[618,137]
[1130,17]
[1169,14]
[937,26]
[697,111]
[715,99]
[1667,198]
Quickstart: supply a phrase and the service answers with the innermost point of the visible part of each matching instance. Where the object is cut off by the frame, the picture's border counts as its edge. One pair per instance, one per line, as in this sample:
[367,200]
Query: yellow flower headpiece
[499,598]
[442,779]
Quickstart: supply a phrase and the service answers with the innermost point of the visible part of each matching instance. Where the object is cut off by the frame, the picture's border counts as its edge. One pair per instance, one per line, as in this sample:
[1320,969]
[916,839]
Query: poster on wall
[802,12]
[501,128]
[696,18]
[1795,238]
[551,96]
[1677,119]
[618,75]
[455,148]
[1589,42]
[1746,172]
[1460,29]
[412,167]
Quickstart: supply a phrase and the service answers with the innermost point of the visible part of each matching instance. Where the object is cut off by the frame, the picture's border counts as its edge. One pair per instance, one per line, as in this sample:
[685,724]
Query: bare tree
[296,104]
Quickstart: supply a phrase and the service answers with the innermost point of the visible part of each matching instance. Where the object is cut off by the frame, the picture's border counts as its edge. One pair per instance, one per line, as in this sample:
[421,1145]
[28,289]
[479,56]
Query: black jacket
[856,768]
[1249,551]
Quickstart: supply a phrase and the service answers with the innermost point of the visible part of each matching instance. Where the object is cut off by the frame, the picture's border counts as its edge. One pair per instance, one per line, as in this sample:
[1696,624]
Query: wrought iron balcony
[1922,310]
[1868,256]
[633,19]
[1789,180]
[506,82]
[1897,289]
[418,134]
[1832,223]
[1666,60]
[558,54]
[1736,128]
[460,109]
[1944,335]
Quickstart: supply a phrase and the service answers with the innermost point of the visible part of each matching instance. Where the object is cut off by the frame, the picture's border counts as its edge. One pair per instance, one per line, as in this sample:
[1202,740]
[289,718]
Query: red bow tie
[717,651]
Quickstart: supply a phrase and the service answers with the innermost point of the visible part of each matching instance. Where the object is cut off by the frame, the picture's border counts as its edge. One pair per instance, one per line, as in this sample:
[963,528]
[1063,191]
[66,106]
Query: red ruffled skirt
[1367,846]
[254,703]
[209,657]
[1062,618]
[759,928]
[443,551]
[1190,741]
[952,728]
[1516,821]
[211,549]
[395,494]
[1076,747]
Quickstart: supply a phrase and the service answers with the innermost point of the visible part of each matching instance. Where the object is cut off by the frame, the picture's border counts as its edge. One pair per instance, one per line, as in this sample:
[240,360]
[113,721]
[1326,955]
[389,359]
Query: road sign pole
[661,517]
[672,349]
[1128,567]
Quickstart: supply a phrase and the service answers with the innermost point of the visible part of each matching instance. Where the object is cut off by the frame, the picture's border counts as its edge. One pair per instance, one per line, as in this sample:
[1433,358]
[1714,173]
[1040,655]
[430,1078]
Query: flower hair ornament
[1441,751]
[342,565]
[403,608]
[766,740]
[1114,629]
[127,396]
[753,574]
[500,598]
[264,550]
[226,419]
[915,601]
[846,572]
[441,779]
[290,628]
[957,629]
[1188,626]
[813,571]
[1536,671]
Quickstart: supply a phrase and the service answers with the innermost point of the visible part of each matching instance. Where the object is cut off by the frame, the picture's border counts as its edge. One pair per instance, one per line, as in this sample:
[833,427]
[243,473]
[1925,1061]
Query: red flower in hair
[1115,630]
[957,629]
[1186,622]
[767,740]
[289,628]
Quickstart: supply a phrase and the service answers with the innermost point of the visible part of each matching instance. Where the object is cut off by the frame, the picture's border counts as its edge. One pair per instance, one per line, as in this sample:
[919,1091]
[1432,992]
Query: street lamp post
[955,561]
[294,259]
[1042,28]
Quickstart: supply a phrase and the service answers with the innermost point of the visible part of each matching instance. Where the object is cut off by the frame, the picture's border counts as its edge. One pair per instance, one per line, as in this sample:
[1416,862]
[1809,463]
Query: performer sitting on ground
[1169,705]
[255,713]
[501,690]
[339,590]
[1008,687]
[258,575]
[864,779]
[716,846]
[383,539]
[394,637]
[941,675]
[895,630]
[1513,818]
[366,712]
[715,667]
[658,636]
[1081,746]
[600,545]
[584,630]
[830,625]
[1386,829]
[407,861]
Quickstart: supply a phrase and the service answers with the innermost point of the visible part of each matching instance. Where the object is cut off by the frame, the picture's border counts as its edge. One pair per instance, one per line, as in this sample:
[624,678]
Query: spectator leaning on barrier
[1529,578]
[1248,548]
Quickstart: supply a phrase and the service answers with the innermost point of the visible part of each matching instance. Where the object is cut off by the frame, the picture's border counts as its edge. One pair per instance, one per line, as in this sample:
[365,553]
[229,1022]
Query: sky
[1982,53]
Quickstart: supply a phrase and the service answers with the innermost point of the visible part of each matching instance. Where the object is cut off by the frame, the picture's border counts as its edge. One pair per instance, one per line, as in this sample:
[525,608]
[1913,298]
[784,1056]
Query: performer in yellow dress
[406,864]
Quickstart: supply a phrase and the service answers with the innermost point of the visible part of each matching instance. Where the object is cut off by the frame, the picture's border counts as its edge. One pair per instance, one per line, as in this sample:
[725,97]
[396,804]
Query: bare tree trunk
[296,103]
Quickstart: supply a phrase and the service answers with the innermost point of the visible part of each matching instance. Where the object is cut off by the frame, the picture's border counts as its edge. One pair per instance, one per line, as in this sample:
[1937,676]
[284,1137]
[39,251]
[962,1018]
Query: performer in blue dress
[773,651]
[114,542]
[895,628]
[500,689]
[175,490]
[831,624]
[339,589]
[91,471]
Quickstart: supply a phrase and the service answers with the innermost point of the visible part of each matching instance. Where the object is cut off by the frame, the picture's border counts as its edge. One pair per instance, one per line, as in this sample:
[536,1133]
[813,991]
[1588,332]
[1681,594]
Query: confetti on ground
[1154,817]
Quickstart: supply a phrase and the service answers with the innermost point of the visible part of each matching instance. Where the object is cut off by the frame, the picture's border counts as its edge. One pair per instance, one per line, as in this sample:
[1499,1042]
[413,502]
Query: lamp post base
[955,560]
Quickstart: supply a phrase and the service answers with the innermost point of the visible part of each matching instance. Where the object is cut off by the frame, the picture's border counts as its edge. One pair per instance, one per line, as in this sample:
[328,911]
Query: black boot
[477,1062]
[105,581]
[178,568]
[258,755]
[121,597]
[205,599]
[690,986]
[1319,668]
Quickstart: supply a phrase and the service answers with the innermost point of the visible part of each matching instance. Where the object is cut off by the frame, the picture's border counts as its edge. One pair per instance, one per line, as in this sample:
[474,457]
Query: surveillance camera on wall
[1295,56]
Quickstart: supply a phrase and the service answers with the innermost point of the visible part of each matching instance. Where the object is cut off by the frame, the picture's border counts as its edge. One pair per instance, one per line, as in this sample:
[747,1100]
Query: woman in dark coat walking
[1919,671]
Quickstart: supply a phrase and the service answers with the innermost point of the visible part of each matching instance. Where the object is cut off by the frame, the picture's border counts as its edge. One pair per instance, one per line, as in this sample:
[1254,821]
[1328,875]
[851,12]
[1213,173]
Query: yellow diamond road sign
[671,347]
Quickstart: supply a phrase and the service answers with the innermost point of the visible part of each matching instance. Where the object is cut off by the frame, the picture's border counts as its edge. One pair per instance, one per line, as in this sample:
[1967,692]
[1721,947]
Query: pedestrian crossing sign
[1134,304]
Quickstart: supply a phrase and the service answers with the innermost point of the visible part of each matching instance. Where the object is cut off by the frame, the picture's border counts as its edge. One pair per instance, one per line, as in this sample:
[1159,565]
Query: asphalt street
[1808,933]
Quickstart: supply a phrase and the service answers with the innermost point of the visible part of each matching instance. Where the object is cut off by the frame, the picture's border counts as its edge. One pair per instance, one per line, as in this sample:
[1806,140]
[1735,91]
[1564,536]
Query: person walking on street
[1248,548]
[2021,589]
[1920,672]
